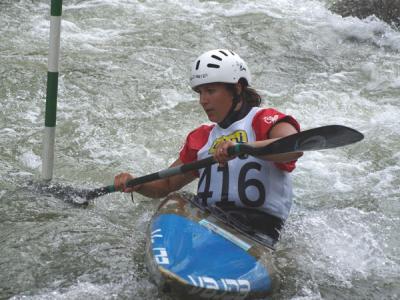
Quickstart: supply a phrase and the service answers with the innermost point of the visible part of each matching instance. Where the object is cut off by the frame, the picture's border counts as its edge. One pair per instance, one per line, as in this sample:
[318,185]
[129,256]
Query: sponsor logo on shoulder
[271,119]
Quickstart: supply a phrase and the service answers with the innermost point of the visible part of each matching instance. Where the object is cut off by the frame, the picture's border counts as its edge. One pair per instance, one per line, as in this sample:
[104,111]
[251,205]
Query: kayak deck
[190,253]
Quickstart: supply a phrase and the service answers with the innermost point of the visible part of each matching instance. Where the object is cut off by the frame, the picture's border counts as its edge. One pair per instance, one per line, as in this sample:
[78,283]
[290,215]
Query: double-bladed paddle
[320,138]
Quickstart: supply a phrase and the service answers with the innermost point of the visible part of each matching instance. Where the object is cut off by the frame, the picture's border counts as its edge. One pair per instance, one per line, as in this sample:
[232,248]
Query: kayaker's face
[216,100]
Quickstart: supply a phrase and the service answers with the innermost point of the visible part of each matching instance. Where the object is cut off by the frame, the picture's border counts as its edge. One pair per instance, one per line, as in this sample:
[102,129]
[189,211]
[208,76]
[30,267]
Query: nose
[203,99]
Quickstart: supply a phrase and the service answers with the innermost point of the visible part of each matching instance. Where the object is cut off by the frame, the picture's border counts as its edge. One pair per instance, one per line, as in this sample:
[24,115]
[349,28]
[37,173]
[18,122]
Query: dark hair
[248,95]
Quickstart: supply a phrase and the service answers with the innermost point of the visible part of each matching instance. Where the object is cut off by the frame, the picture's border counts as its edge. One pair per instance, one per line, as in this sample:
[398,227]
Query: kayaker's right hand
[121,179]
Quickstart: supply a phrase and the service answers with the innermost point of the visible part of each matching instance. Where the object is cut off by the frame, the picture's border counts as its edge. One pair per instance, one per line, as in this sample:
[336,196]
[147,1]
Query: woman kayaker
[222,80]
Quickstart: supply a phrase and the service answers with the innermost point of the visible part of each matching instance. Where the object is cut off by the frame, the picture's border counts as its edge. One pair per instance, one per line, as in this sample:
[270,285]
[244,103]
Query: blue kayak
[192,254]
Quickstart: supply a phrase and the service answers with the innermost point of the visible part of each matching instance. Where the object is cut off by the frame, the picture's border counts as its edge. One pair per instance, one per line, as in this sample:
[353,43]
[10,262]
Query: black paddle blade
[91,194]
[68,194]
[75,196]
[320,138]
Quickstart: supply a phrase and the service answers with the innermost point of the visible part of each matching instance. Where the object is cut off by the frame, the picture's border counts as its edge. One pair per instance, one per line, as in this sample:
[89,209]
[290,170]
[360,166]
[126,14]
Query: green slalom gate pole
[51,93]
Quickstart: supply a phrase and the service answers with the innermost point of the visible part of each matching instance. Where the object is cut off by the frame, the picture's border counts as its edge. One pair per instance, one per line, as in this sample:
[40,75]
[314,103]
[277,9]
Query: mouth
[210,112]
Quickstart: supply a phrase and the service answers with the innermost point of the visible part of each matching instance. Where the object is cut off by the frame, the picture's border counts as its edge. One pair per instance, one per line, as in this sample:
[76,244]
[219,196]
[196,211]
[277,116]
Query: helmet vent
[213,66]
[233,53]
[197,64]
[223,52]
[216,57]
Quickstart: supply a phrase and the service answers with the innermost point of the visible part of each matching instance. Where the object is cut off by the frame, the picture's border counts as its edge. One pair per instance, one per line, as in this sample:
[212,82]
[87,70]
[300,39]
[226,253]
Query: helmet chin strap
[235,115]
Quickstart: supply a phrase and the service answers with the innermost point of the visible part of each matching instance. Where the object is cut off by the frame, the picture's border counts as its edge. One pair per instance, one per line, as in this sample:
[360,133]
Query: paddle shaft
[325,137]
[199,164]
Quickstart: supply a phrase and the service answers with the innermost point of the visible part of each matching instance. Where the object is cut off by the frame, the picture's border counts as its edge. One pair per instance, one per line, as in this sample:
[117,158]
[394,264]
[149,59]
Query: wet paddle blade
[321,138]
[67,194]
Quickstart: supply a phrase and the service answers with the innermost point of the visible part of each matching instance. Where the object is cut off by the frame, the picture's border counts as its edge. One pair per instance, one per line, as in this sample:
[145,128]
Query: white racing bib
[243,182]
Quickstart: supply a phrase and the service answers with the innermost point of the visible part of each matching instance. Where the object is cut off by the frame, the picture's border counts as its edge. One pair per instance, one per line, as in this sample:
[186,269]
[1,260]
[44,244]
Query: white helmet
[219,65]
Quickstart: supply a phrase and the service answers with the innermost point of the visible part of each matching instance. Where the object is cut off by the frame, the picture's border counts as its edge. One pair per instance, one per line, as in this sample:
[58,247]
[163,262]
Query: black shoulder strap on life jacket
[235,115]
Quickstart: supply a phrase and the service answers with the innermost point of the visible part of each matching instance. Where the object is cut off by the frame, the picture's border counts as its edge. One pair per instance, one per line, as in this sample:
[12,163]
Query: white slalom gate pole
[51,93]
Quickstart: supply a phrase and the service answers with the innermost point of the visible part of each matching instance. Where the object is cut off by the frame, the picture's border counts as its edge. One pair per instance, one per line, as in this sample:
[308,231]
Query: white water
[125,104]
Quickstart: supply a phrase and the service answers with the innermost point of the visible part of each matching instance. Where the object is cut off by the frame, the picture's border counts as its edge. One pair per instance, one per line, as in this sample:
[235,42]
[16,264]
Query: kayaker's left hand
[221,152]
